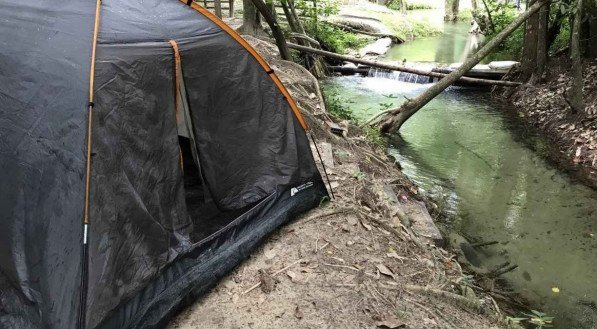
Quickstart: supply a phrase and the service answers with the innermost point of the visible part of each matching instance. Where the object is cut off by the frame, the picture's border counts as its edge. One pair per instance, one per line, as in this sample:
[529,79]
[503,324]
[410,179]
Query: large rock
[362,23]
[418,217]
[379,47]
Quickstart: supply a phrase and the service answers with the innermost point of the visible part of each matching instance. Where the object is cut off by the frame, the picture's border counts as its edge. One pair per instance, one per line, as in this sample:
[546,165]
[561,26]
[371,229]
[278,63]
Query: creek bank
[543,107]
[352,263]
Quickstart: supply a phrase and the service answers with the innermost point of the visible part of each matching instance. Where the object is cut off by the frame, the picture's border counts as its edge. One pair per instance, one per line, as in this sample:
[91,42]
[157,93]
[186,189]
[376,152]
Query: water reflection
[461,149]
[454,45]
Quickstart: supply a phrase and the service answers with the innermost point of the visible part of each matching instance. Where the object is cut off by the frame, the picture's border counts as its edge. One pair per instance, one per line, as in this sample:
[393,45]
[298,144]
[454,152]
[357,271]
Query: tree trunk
[474,5]
[276,30]
[542,46]
[529,51]
[403,6]
[289,17]
[251,19]
[218,8]
[396,118]
[575,92]
[554,28]
[451,9]
[491,25]
[590,37]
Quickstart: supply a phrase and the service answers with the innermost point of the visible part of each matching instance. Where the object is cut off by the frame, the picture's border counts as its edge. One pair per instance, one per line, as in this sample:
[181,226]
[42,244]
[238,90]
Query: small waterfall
[399,76]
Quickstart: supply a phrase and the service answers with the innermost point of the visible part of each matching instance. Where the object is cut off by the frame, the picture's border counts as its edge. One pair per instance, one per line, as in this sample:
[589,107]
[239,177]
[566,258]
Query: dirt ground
[351,263]
[544,107]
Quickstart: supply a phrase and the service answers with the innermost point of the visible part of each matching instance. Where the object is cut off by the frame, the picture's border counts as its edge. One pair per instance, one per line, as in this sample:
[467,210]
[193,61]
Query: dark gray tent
[145,150]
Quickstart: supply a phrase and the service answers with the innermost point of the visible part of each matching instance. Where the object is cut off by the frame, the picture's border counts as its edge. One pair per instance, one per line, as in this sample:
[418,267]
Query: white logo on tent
[299,188]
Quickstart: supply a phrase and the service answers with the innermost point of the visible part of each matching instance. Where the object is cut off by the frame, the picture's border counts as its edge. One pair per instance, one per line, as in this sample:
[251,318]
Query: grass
[337,108]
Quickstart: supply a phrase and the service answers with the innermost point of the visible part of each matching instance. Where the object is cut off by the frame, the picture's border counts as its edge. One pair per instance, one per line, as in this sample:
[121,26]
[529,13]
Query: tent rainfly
[145,150]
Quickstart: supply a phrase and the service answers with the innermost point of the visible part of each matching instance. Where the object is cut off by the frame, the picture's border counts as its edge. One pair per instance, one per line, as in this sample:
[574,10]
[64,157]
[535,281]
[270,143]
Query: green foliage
[563,38]
[375,136]
[538,319]
[560,13]
[412,5]
[330,37]
[333,38]
[465,15]
[502,15]
[417,6]
[336,106]
[359,175]
[395,5]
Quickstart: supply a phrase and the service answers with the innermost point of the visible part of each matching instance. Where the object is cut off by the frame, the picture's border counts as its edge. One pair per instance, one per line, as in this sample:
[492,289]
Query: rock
[502,65]
[268,284]
[379,47]
[420,221]
[360,23]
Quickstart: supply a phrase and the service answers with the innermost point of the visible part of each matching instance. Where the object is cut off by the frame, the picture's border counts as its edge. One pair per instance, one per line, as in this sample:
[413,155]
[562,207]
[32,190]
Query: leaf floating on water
[555,290]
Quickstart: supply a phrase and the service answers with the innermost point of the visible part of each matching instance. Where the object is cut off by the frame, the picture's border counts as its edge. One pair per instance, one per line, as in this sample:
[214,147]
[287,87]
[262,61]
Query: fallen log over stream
[394,118]
[391,67]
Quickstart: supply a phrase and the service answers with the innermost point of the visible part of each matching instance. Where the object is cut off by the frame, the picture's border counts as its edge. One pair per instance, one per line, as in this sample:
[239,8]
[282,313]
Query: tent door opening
[204,213]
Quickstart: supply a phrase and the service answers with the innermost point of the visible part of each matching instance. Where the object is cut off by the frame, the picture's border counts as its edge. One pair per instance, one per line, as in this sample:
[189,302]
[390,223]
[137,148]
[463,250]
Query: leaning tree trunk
[575,91]
[397,117]
[270,18]
[251,19]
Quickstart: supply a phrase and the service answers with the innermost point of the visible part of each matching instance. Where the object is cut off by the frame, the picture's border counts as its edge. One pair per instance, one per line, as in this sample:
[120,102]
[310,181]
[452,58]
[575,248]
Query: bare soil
[351,263]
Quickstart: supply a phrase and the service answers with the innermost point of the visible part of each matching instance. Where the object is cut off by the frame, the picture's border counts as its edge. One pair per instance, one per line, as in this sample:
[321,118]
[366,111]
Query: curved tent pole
[216,20]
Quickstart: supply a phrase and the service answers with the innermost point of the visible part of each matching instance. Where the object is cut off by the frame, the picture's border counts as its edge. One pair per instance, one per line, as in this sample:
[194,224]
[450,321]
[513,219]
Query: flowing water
[462,149]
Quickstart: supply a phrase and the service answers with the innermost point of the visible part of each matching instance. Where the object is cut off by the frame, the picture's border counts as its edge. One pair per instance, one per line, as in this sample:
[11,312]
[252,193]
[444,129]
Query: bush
[414,5]
[331,38]
[502,15]
[334,39]
[336,106]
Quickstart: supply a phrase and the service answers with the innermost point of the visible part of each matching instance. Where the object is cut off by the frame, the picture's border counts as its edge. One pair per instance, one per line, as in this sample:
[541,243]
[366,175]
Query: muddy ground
[544,108]
[355,262]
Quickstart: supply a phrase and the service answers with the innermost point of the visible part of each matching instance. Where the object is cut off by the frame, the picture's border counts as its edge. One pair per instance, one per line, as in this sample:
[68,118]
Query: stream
[492,177]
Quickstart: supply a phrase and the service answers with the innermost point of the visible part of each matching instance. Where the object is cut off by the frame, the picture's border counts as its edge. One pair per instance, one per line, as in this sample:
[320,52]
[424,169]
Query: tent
[145,150]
